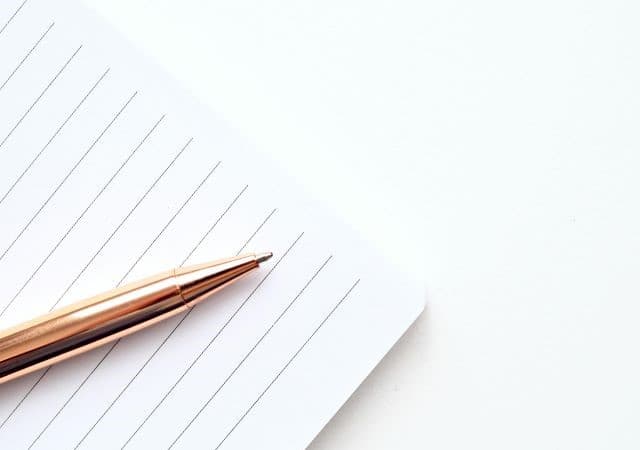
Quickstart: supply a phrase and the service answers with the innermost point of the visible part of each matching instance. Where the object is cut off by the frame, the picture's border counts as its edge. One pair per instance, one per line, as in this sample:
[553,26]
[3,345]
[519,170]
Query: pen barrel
[86,325]
[83,326]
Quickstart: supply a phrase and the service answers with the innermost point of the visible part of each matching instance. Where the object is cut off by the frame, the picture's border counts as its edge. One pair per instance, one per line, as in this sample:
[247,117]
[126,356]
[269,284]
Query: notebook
[109,172]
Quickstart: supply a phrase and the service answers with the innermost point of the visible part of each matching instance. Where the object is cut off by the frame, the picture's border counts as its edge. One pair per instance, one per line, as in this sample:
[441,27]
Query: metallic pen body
[96,321]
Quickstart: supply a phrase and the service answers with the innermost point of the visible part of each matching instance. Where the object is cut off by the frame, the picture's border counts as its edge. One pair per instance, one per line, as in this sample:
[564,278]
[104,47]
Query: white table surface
[492,148]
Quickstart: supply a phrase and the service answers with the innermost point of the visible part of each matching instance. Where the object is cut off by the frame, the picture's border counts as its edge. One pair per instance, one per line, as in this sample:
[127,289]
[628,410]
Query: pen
[88,324]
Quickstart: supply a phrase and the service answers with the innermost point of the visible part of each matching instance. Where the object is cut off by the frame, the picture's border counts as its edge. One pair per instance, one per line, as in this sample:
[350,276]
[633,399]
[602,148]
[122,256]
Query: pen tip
[262,257]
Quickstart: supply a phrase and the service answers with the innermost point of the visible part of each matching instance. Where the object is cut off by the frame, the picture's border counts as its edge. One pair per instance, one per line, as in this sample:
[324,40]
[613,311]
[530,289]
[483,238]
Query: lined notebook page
[109,173]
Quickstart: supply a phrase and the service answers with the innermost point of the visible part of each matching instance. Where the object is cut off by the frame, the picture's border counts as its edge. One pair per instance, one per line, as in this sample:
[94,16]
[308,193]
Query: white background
[492,148]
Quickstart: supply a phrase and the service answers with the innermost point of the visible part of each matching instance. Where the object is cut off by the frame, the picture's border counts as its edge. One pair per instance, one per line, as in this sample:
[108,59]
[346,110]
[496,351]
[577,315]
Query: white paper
[108,173]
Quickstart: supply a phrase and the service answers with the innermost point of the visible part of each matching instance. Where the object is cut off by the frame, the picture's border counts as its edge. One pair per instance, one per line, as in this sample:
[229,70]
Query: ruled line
[12,17]
[288,364]
[250,352]
[6,419]
[206,235]
[46,146]
[164,341]
[122,222]
[257,230]
[13,72]
[104,244]
[64,180]
[212,340]
[177,213]
[44,91]
[114,345]
[82,214]
[72,395]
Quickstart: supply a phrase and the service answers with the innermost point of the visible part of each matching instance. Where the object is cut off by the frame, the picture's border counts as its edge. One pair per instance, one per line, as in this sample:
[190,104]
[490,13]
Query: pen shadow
[13,391]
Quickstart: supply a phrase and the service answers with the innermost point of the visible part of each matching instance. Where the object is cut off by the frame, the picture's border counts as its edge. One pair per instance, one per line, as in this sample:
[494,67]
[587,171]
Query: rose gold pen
[85,325]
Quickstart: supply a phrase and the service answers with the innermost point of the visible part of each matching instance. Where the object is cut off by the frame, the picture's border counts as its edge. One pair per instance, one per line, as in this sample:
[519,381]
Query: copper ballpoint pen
[88,324]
